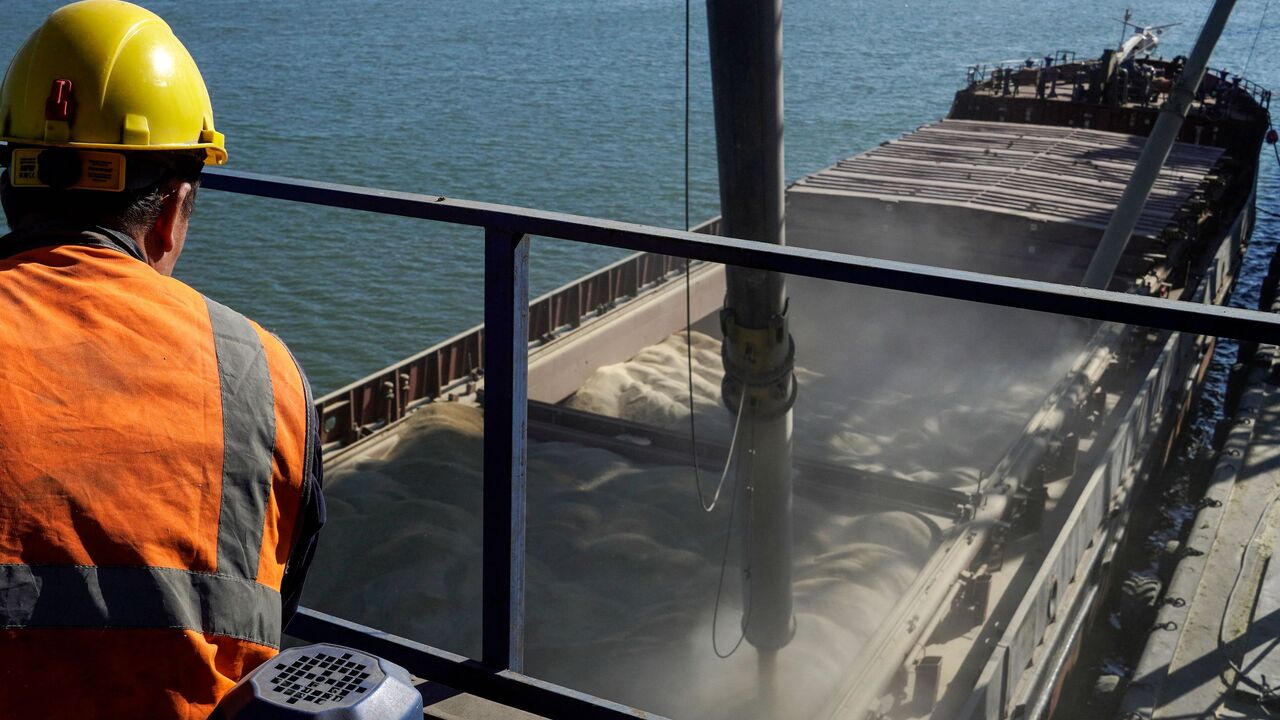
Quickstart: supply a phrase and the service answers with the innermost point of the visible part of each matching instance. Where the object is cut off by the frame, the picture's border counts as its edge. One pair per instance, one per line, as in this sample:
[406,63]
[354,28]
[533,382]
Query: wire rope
[688,306]
[733,443]
[1256,34]
[693,427]
[724,561]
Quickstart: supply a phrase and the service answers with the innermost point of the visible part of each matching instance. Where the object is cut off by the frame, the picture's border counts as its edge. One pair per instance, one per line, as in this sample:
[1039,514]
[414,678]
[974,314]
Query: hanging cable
[693,426]
[686,130]
[724,560]
[733,443]
[688,310]
[1256,34]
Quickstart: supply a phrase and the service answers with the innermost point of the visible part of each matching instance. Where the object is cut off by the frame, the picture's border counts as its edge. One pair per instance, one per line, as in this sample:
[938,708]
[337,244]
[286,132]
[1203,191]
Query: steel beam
[506,361]
[1053,298]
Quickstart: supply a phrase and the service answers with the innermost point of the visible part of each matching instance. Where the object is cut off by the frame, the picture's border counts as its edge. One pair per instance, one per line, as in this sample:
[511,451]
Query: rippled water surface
[568,105]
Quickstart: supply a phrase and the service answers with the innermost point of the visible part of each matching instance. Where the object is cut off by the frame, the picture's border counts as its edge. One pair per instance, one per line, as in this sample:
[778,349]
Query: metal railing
[455,365]
[1260,94]
[496,675]
[1060,74]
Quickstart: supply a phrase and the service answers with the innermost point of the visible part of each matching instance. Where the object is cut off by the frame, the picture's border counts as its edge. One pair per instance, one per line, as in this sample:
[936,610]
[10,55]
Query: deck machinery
[1020,180]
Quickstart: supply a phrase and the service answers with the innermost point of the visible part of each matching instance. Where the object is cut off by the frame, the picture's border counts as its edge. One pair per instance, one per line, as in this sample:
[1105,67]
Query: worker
[159,465]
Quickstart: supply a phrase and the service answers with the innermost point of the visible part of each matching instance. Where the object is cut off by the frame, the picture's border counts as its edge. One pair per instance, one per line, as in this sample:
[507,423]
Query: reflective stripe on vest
[248,440]
[73,596]
[229,602]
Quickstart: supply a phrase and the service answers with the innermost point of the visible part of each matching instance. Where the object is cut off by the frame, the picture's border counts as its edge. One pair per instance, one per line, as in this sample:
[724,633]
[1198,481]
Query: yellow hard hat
[108,75]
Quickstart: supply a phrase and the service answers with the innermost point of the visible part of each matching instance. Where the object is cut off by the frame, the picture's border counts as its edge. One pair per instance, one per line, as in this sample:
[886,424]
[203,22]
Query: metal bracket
[1060,460]
[970,605]
[928,683]
[996,545]
[1028,503]
[1095,406]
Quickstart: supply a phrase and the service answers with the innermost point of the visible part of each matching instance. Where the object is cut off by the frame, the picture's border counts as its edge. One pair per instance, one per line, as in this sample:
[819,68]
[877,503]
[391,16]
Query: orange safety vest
[153,447]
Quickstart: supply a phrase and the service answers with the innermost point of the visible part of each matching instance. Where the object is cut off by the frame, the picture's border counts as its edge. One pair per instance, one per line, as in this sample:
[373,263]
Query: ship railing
[455,366]
[983,71]
[1260,94]
[1061,75]
[496,675]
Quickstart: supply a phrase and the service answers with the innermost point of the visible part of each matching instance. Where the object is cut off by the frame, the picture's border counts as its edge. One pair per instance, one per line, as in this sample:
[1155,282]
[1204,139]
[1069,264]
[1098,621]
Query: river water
[567,105]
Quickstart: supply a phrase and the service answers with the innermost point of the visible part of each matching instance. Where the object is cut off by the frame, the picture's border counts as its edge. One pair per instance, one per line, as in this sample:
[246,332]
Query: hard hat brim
[214,154]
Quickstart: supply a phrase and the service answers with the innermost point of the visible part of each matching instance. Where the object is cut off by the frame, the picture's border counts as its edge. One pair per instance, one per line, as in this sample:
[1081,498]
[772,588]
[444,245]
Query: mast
[1155,151]
[758,353]
[1124,25]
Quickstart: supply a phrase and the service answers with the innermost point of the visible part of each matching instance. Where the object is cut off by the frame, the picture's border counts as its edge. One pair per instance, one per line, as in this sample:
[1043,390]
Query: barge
[962,471]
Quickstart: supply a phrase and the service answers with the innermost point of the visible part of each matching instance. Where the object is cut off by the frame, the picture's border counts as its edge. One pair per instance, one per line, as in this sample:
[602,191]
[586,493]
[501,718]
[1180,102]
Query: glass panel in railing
[352,292]
[833,543]
[403,463]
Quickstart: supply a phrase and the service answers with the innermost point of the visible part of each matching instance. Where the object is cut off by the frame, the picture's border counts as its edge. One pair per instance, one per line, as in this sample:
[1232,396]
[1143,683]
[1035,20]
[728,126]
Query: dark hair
[132,211]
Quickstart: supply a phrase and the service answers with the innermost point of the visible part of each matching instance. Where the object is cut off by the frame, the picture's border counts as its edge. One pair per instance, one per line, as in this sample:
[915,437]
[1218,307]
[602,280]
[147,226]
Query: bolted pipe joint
[759,366]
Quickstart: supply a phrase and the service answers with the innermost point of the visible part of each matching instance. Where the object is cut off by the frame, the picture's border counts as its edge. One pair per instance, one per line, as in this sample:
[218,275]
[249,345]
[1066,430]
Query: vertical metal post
[506,400]
[1155,151]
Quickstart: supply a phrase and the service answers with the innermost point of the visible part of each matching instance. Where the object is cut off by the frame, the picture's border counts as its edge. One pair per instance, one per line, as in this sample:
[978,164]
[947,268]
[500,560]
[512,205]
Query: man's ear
[168,234]
[171,223]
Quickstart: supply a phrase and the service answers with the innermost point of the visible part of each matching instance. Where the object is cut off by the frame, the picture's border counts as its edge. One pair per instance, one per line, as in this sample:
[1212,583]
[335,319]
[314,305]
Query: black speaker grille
[319,678]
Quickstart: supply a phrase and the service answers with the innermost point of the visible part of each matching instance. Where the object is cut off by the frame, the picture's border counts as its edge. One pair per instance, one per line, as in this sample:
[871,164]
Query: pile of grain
[623,571]
[623,565]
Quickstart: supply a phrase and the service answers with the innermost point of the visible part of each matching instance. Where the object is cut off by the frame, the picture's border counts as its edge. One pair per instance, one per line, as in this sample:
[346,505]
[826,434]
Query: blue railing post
[506,365]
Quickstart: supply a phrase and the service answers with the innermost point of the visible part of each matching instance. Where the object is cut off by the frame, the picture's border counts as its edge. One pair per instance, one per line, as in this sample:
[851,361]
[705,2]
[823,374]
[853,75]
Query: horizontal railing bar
[887,274]
[460,673]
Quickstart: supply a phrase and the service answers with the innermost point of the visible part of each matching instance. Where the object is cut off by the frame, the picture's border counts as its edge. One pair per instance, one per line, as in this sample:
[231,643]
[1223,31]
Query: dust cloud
[940,411]
[623,565]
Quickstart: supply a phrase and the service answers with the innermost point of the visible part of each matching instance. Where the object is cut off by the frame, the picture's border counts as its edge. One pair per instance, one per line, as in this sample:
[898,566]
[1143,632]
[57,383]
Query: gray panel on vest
[79,596]
[249,433]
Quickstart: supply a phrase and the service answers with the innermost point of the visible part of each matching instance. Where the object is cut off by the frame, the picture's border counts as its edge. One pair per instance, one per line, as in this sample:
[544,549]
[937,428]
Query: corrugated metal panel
[1047,173]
